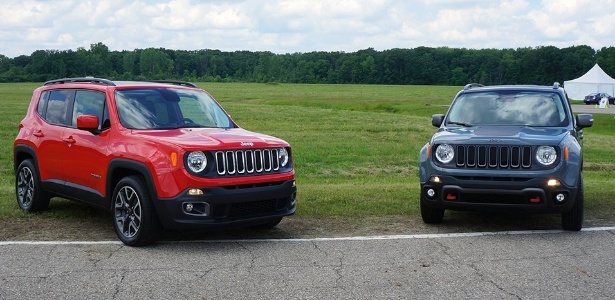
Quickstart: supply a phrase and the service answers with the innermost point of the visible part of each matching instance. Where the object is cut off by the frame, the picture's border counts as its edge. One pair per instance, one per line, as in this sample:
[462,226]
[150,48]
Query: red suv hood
[213,138]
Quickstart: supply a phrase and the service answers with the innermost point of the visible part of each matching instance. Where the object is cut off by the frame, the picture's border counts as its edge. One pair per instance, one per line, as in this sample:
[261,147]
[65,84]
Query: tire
[28,191]
[431,215]
[134,218]
[573,219]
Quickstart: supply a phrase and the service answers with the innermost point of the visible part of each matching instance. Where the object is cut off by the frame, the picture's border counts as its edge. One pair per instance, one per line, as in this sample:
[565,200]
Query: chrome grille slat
[493,156]
[258,155]
[250,161]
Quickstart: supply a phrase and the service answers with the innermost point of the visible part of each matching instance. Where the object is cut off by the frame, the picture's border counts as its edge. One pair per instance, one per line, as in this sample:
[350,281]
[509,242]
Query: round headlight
[197,161]
[283,157]
[445,153]
[546,155]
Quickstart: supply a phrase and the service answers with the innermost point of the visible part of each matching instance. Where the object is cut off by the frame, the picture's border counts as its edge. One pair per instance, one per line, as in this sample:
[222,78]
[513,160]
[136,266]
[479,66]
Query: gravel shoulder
[97,226]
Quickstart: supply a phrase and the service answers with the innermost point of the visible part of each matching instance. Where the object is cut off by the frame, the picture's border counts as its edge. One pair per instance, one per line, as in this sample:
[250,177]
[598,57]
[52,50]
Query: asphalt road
[505,265]
[592,109]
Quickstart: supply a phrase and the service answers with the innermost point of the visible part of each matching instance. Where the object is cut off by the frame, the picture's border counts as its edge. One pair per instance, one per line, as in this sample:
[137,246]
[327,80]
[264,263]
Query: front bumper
[519,194]
[223,207]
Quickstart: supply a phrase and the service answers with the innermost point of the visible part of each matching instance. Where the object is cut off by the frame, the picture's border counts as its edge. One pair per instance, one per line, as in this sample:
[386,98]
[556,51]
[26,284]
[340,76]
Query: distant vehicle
[594,98]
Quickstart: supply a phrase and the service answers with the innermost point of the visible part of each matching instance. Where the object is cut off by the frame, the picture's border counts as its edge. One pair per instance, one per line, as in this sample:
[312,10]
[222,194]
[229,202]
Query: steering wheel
[188,121]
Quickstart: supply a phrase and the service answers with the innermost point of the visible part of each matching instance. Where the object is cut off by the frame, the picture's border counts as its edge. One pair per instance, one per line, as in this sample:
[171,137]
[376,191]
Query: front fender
[424,163]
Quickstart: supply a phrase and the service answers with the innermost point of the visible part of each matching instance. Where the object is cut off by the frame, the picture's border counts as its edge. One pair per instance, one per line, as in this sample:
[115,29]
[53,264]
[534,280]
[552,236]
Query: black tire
[28,191]
[134,218]
[431,215]
[573,219]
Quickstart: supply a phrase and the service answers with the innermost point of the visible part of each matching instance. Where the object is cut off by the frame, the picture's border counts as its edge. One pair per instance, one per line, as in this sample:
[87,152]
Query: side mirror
[437,119]
[87,122]
[584,120]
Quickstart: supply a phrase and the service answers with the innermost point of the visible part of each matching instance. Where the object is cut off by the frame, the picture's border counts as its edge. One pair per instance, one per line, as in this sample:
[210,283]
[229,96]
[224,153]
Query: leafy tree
[155,64]
[421,65]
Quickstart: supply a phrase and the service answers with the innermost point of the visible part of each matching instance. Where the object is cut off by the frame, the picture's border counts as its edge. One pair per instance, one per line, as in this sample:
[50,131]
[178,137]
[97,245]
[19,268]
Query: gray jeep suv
[505,148]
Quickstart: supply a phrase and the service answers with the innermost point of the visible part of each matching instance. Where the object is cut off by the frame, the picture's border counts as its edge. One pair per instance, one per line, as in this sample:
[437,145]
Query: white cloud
[288,26]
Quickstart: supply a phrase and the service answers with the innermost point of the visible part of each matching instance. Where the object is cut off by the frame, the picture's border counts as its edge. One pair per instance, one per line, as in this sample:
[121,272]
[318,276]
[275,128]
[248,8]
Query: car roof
[107,82]
[473,87]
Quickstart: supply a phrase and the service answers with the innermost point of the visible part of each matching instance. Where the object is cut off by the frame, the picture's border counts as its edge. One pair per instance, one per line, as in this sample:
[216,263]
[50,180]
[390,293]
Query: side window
[89,103]
[56,107]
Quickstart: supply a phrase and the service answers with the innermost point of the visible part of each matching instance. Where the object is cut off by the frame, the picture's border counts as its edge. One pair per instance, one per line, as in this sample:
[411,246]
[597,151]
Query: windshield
[508,108]
[168,108]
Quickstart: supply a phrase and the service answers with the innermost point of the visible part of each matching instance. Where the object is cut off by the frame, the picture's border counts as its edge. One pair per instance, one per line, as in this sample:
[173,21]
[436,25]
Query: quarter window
[40,109]
[56,107]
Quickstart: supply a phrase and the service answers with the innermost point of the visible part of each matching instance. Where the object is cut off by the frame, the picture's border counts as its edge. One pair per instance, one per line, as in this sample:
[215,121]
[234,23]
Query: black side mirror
[584,120]
[437,119]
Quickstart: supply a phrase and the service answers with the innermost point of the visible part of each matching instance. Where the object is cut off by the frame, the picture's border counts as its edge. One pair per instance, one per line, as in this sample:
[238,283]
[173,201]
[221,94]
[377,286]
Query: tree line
[421,66]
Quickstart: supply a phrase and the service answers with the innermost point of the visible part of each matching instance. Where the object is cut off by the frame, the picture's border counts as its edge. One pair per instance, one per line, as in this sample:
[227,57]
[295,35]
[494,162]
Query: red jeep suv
[157,154]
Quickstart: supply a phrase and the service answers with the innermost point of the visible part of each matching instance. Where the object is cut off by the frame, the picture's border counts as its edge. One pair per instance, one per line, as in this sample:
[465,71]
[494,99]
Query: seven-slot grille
[251,161]
[493,157]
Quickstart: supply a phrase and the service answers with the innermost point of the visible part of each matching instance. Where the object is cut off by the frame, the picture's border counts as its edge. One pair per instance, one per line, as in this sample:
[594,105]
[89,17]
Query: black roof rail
[175,82]
[81,79]
[556,85]
[472,85]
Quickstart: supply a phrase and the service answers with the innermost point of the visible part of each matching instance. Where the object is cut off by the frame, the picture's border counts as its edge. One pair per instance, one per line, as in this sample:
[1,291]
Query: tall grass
[355,147]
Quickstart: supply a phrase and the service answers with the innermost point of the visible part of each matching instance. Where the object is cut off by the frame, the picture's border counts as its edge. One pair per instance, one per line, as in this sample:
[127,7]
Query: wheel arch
[120,168]
[21,153]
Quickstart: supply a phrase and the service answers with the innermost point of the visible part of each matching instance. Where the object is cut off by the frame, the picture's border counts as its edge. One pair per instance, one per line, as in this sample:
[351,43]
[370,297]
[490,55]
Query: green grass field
[355,147]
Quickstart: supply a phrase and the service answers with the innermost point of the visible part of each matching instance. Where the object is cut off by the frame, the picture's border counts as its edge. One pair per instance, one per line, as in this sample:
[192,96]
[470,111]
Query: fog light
[560,197]
[431,193]
[200,209]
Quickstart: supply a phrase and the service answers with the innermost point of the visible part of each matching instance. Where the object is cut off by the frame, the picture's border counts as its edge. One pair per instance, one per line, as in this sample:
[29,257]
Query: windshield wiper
[193,125]
[460,123]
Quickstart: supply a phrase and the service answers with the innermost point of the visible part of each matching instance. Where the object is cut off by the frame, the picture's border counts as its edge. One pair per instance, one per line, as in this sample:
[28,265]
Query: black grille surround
[495,157]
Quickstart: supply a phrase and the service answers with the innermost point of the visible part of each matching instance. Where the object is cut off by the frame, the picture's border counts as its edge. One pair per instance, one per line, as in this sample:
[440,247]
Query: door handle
[69,140]
[38,134]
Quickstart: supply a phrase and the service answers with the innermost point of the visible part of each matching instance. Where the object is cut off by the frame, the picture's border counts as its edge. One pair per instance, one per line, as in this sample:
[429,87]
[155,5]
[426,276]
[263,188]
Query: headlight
[197,161]
[546,155]
[283,157]
[445,153]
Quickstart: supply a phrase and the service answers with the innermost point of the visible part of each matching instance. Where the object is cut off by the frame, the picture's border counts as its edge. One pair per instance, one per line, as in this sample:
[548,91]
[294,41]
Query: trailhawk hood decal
[214,138]
[500,135]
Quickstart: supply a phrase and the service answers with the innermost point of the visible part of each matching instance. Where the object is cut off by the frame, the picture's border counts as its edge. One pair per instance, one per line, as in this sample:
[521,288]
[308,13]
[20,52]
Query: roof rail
[556,85]
[81,79]
[472,85]
[175,82]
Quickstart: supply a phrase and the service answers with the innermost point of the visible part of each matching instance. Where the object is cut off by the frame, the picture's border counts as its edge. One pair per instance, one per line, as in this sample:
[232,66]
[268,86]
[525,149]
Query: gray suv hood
[519,135]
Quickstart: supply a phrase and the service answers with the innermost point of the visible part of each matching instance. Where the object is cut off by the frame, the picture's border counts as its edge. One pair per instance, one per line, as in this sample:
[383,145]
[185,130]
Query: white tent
[594,81]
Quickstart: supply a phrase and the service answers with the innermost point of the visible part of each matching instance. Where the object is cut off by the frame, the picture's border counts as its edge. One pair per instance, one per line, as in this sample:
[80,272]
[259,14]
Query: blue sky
[289,26]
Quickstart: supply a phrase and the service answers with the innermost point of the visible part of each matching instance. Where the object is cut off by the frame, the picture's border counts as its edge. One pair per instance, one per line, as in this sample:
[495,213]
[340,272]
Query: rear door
[53,110]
